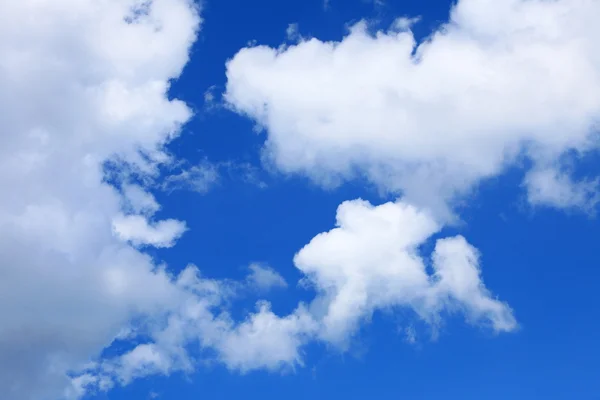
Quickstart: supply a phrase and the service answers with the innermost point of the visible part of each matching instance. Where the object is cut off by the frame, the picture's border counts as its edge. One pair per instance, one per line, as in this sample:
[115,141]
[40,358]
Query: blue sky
[169,175]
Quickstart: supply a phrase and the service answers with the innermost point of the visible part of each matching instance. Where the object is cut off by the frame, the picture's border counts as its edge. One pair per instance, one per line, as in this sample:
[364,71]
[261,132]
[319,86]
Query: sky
[302,199]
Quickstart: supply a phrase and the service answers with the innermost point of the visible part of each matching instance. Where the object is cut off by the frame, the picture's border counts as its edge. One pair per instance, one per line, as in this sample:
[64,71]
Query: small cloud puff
[264,278]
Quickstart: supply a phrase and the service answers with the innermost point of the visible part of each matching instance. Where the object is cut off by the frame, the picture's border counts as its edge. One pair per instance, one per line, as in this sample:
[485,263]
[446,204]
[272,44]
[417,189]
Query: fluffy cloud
[199,319]
[371,261]
[267,341]
[204,176]
[85,82]
[502,80]
[82,81]
[552,187]
[138,201]
[137,230]
[198,178]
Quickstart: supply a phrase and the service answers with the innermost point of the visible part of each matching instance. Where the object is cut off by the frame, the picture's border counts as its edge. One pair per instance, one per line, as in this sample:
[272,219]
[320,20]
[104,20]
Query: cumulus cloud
[204,176]
[502,80]
[261,341]
[267,341]
[292,32]
[552,187]
[82,82]
[137,230]
[85,82]
[457,280]
[371,261]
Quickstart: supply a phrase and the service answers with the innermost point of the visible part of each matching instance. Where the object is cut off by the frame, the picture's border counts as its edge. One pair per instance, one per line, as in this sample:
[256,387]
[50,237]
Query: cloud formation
[83,82]
[369,262]
[501,81]
[140,232]
[88,84]
[263,277]
[199,178]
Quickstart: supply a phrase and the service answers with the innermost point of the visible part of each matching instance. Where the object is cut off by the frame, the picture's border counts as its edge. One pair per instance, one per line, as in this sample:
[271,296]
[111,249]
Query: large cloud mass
[84,82]
[371,261]
[81,81]
[502,80]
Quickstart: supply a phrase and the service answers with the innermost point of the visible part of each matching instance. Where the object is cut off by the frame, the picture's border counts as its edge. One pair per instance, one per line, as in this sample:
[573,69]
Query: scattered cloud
[502,81]
[404,24]
[137,230]
[204,176]
[199,178]
[210,98]
[292,33]
[554,187]
[369,262]
[264,278]
[378,3]
[246,172]
[262,341]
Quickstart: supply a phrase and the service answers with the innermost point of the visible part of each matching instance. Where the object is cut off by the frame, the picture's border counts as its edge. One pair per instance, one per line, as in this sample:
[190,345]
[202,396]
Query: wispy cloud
[264,278]
[199,178]
[204,176]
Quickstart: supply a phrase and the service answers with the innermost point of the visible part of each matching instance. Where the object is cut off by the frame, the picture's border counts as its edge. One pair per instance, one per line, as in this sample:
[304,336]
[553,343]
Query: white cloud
[137,230]
[246,172]
[80,85]
[198,178]
[262,341]
[205,175]
[552,187]
[81,385]
[410,335]
[138,200]
[266,341]
[504,79]
[88,84]
[404,23]
[458,277]
[263,277]
[371,261]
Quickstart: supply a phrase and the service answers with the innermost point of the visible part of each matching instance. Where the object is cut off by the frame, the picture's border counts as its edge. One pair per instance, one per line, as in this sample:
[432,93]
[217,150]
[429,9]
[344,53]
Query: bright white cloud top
[501,81]
[371,261]
[85,82]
